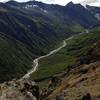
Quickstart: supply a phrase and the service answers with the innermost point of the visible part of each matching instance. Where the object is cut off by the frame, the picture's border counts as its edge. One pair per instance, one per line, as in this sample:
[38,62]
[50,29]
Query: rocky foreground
[19,90]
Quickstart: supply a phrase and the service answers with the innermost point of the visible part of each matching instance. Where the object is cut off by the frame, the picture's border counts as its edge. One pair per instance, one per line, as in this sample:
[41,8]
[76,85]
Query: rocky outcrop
[19,90]
[80,81]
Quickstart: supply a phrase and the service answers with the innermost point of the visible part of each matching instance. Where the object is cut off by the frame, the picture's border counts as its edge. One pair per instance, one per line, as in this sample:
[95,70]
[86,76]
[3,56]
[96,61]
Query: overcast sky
[64,2]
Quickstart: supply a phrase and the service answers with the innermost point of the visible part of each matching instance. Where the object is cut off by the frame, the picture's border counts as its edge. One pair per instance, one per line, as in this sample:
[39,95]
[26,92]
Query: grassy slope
[65,57]
[13,54]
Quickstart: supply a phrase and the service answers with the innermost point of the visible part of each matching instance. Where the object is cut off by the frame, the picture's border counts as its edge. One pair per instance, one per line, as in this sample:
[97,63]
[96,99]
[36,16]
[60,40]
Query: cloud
[89,1]
[61,2]
[49,0]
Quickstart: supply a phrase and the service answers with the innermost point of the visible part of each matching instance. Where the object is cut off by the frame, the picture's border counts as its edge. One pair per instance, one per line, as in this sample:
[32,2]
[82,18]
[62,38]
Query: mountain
[69,14]
[23,38]
[81,15]
[31,29]
[94,10]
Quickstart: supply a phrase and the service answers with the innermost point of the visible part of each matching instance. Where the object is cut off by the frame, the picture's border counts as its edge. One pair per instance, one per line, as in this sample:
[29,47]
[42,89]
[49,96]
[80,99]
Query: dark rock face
[86,97]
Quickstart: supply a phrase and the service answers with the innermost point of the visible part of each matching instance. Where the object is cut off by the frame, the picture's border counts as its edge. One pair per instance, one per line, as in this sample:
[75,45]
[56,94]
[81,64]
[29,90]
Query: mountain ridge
[36,28]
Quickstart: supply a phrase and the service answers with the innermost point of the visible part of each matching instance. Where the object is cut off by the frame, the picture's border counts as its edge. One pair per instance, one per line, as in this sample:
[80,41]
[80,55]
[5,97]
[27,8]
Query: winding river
[36,61]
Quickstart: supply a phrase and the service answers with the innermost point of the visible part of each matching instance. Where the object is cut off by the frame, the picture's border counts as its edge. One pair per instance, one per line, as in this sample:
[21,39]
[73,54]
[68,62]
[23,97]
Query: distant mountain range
[31,29]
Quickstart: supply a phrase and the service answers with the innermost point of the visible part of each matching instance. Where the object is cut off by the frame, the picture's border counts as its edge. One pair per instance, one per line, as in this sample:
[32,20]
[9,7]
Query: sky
[64,2]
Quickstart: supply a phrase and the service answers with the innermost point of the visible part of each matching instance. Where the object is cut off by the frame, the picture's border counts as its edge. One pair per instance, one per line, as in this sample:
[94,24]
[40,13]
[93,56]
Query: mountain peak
[70,3]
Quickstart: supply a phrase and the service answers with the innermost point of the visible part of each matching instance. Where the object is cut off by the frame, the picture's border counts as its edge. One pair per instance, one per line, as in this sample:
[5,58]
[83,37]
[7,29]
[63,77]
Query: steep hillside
[15,59]
[22,38]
